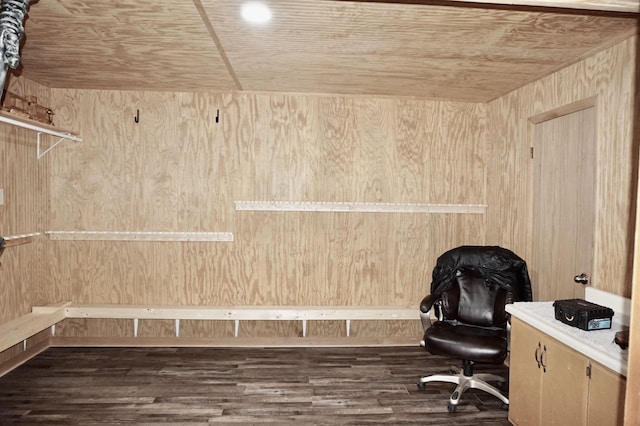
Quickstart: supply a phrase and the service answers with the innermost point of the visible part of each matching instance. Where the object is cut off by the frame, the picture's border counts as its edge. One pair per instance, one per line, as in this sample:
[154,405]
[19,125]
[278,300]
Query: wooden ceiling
[455,51]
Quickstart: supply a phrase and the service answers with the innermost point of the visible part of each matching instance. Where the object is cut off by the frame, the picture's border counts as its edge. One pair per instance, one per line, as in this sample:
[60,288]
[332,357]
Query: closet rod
[37,127]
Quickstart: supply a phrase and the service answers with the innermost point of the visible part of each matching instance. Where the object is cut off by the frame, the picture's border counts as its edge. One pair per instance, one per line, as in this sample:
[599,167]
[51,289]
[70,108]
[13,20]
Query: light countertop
[597,345]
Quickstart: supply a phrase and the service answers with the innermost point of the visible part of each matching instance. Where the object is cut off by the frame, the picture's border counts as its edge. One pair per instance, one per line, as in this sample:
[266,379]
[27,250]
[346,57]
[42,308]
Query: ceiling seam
[216,40]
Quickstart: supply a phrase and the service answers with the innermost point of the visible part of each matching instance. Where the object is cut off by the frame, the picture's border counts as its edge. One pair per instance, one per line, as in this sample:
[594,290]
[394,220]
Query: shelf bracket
[40,129]
[42,153]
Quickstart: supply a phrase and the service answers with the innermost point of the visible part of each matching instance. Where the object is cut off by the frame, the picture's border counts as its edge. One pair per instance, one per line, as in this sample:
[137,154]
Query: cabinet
[551,384]
[606,397]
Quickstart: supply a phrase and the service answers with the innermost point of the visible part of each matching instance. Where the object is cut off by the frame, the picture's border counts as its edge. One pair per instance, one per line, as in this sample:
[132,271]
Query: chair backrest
[475,301]
[500,265]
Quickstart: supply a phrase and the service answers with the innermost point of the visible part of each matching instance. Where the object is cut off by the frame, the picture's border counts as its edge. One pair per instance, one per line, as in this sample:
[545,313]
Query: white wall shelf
[139,236]
[41,129]
[323,206]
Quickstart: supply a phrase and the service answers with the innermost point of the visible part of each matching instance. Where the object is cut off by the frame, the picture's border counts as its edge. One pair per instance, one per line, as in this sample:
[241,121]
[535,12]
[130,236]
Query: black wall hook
[137,117]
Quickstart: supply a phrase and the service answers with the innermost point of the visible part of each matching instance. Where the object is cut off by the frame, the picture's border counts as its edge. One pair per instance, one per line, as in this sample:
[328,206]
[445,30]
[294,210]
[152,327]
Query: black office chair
[471,287]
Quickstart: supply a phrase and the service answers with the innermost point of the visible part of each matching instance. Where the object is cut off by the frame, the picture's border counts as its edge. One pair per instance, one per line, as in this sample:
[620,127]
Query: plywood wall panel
[386,328]
[270,329]
[326,328]
[75,327]
[210,329]
[609,77]
[156,328]
[180,170]
[23,269]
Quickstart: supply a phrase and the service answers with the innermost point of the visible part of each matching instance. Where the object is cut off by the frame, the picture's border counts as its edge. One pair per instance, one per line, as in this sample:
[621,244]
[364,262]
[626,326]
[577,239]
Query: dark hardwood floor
[310,386]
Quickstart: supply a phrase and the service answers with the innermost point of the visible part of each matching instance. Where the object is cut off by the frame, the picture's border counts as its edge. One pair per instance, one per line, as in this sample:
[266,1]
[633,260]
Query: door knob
[581,279]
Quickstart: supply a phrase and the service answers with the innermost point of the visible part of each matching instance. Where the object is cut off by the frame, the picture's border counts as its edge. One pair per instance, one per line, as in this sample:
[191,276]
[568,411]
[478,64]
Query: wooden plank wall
[178,170]
[610,77]
[25,210]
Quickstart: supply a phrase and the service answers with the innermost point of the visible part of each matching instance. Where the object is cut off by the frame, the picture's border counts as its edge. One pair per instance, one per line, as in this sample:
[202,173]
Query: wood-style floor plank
[190,386]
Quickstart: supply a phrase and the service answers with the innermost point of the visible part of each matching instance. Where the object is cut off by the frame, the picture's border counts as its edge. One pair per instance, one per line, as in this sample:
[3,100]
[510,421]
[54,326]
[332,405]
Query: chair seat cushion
[466,342]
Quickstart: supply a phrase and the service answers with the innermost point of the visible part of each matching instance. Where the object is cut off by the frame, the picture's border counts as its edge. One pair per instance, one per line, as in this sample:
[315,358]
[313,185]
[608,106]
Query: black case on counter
[582,314]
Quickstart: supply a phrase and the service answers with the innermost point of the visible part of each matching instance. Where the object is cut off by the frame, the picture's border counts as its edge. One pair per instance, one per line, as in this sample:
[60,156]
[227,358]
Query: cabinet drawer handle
[538,355]
[542,362]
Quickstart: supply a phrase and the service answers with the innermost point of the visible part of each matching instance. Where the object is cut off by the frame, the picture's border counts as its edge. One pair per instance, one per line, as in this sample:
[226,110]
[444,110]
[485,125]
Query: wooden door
[564,177]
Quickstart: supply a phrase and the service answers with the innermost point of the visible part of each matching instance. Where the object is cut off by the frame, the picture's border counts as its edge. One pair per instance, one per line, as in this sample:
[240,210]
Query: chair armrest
[427,302]
[427,314]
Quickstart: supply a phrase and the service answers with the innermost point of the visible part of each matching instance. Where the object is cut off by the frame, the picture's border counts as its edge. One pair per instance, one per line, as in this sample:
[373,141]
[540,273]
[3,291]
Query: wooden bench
[46,317]
[43,317]
[20,329]
[242,313]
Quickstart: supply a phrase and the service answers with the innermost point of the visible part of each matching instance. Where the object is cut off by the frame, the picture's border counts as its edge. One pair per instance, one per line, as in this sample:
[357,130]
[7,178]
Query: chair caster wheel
[451,408]
[420,385]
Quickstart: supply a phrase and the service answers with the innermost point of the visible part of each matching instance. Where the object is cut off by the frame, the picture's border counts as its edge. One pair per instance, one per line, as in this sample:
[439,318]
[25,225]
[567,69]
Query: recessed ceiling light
[256,12]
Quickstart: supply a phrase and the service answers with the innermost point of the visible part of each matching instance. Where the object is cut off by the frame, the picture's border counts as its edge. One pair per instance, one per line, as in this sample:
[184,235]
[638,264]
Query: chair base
[464,382]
